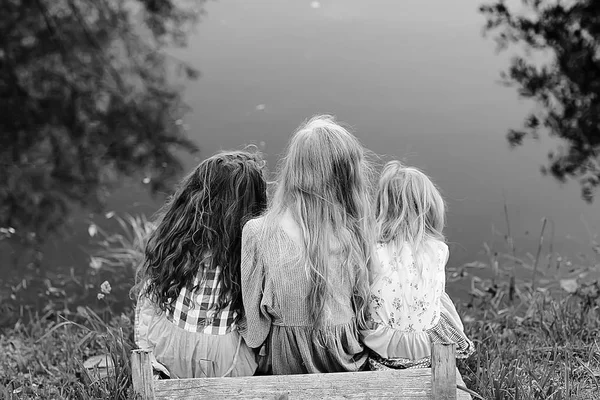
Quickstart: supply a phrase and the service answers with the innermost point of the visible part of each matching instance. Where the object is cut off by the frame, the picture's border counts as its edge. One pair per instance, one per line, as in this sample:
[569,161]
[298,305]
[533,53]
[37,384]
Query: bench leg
[141,374]
[443,371]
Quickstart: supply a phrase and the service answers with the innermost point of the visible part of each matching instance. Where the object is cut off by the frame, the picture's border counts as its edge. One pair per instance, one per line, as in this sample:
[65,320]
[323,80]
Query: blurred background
[105,104]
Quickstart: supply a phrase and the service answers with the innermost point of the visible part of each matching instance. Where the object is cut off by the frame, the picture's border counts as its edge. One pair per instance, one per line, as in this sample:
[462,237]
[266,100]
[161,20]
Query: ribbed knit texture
[275,290]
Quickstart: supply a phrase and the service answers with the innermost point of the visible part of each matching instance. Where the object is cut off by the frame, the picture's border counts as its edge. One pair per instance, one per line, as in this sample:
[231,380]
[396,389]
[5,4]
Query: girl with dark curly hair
[188,287]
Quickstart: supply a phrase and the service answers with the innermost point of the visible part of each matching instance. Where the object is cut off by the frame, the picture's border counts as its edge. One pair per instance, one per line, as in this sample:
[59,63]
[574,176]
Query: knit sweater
[275,292]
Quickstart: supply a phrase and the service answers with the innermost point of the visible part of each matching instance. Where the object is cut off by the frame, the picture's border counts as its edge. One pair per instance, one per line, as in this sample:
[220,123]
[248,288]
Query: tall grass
[123,249]
[551,352]
[43,356]
[536,338]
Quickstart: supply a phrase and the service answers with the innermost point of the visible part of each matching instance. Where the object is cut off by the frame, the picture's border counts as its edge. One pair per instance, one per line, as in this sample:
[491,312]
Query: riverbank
[551,352]
[534,339]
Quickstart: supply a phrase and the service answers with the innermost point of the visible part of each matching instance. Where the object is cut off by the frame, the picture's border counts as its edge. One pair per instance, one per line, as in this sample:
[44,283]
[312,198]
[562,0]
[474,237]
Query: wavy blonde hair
[324,182]
[409,207]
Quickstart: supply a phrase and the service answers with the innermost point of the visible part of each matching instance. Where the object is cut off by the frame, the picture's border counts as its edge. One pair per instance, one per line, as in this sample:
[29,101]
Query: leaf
[475,264]
[191,73]
[82,311]
[99,361]
[569,285]
[97,82]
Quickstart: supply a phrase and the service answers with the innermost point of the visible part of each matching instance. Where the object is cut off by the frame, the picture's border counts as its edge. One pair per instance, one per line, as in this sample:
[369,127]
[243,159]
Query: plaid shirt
[193,310]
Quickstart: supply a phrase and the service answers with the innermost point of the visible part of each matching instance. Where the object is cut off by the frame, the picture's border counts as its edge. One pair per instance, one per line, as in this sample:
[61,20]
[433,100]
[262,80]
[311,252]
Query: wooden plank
[411,384]
[141,374]
[443,367]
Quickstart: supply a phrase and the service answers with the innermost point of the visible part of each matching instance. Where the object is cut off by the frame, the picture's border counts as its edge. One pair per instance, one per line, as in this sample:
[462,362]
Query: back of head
[324,184]
[200,227]
[409,207]
[324,162]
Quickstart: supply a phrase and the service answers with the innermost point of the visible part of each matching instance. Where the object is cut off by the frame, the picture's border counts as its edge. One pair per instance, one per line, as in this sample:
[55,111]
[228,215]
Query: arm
[145,312]
[256,323]
[450,311]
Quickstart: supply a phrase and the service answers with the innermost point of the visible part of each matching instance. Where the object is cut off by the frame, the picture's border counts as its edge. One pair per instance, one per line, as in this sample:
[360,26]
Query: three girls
[294,284]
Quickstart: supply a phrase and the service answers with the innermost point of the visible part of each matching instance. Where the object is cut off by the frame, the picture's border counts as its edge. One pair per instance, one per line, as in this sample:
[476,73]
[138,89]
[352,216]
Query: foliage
[122,250]
[44,358]
[534,321]
[561,73]
[548,353]
[87,96]
[533,340]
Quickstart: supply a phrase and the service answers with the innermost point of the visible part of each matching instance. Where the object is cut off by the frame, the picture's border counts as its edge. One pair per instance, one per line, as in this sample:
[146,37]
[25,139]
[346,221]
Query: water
[415,80]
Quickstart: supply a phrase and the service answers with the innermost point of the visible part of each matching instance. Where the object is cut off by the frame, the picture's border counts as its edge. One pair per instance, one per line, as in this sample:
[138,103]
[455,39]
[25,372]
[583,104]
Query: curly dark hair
[200,227]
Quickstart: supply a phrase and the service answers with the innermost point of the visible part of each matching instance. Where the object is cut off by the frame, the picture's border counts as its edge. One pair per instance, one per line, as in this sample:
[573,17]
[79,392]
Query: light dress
[190,340]
[409,309]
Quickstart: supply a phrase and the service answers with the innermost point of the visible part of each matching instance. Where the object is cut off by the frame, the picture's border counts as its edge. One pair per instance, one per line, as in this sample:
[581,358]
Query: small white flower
[100,296]
[92,230]
[95,263]
[105,287]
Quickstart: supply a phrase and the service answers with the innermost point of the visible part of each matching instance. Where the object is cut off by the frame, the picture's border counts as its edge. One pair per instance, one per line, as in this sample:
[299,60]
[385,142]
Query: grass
[536,338]
[44,358]
[549,352]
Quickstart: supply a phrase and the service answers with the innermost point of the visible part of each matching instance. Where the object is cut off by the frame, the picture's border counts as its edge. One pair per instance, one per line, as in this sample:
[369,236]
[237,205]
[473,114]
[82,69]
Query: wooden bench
[438,383]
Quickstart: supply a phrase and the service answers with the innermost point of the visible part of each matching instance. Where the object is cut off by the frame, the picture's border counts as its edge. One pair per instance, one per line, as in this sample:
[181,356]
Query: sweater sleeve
[256,293]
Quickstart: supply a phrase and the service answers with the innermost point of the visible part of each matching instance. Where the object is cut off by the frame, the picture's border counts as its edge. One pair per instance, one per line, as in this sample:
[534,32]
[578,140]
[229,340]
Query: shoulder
[254,225]
[441,246]
[440,249]
[386,256]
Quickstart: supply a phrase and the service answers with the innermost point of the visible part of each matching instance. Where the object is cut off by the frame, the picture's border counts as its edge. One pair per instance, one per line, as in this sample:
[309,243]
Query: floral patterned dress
[409,308]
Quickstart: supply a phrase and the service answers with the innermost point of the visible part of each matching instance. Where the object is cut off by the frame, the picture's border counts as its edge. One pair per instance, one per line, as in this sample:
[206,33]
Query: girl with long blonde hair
[304,263]
[408,307]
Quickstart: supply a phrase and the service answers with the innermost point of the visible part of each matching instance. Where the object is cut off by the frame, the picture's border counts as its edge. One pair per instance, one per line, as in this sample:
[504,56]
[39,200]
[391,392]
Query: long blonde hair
[324,183]
[409,207]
